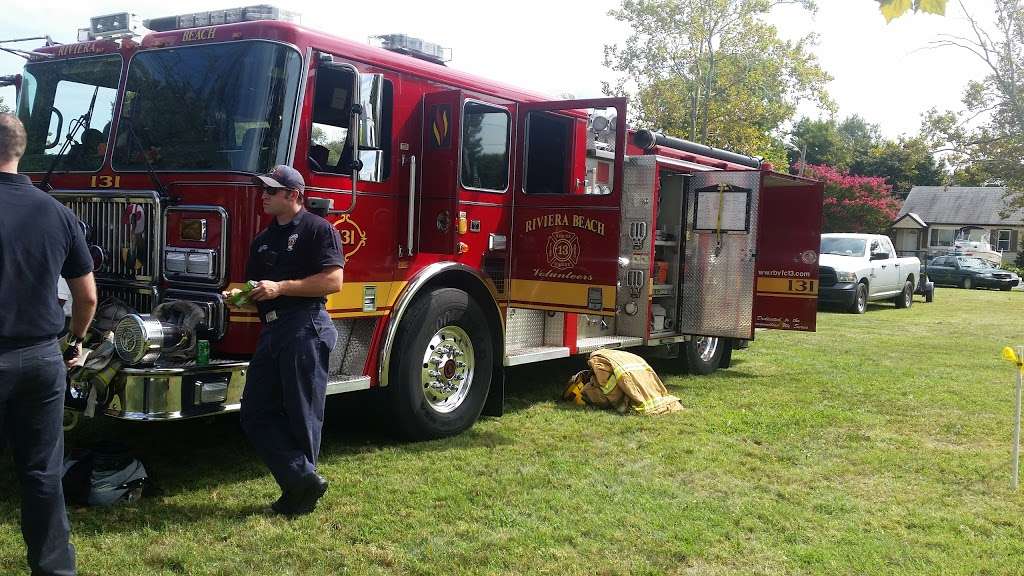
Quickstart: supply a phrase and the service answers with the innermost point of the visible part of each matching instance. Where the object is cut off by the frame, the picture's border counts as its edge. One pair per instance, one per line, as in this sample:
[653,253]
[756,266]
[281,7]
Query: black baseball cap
[283,177]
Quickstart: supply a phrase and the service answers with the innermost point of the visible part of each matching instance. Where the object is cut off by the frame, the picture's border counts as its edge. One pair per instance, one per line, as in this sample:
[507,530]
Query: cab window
[485,147]
[330,150]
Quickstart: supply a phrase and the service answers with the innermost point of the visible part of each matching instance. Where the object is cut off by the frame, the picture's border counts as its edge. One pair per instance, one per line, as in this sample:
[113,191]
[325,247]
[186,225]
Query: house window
[941,237]
[1003,241]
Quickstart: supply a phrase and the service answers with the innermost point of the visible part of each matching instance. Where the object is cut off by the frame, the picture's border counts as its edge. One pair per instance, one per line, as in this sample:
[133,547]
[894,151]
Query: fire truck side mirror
[12,80]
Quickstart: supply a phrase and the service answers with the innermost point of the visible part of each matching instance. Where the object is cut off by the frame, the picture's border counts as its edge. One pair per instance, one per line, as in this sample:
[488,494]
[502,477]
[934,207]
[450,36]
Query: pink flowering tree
[854,203]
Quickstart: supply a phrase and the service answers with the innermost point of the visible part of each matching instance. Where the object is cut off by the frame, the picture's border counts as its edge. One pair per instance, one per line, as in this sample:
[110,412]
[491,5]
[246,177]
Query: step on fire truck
[484,226]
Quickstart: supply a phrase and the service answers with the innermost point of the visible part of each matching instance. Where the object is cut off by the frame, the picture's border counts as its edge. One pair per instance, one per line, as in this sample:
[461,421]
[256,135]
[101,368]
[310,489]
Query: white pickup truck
[857,268]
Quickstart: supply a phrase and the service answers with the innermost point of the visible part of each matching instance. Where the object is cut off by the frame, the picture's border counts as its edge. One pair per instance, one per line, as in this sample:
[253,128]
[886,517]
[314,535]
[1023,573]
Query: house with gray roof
[932,216]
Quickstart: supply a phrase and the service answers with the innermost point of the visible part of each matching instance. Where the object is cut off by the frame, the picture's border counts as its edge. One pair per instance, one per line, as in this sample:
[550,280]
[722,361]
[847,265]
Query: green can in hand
[203,352]
[240,296]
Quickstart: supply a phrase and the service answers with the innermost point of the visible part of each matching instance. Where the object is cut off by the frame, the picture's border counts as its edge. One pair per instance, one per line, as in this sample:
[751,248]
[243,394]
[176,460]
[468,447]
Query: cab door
[439,169]
[565,237]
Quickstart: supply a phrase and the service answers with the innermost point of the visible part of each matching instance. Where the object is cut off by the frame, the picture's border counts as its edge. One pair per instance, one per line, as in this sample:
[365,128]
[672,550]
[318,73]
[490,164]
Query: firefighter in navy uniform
[296,262]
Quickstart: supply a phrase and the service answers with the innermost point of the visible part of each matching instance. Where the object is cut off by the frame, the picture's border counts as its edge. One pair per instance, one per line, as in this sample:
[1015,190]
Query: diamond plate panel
[344,328]
[524,328]
[349,354]
[554,328]
[358,346]
[718,284]
[637,228]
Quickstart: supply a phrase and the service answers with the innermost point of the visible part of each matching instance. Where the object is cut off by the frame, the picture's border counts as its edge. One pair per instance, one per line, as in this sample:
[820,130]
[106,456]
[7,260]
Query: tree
[857,146]
[904,163]
[854,203]
[714,72]
[987,135]
[3,107]
[895,8]
[838,144]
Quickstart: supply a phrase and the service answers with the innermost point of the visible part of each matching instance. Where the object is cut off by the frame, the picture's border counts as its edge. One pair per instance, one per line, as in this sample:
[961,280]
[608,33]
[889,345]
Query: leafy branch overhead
[892,9]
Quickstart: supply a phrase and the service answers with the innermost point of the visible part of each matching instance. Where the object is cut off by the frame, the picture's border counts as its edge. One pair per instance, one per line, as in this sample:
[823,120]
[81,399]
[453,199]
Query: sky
[883,72]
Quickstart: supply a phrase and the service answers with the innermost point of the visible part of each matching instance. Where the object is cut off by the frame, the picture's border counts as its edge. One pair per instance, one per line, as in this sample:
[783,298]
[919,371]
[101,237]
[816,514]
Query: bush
[855,203]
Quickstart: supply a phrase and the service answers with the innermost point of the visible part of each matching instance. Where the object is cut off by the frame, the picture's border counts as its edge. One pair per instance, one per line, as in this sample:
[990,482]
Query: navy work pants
[32,383]
[285,390]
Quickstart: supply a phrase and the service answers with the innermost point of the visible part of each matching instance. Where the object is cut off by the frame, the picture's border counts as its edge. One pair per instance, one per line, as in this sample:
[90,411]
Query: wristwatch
[74,340]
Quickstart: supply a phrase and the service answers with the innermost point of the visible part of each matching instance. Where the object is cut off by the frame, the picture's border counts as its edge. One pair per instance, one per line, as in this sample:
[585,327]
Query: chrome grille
[125,228]
[141,300]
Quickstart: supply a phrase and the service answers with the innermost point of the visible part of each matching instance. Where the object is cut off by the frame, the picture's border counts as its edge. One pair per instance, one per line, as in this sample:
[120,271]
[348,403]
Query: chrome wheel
[706,347]
[447,373]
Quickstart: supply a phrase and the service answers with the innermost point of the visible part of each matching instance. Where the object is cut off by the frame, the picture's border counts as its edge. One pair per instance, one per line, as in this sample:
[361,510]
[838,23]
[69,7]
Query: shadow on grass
[211,455]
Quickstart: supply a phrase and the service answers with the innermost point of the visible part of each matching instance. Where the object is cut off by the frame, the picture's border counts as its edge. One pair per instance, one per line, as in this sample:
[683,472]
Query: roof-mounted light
[217,17]
[111,26]
[415,47]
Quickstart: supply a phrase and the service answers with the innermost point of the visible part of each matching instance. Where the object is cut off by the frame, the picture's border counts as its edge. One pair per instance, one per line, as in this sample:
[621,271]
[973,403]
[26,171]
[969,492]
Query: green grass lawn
[879,444]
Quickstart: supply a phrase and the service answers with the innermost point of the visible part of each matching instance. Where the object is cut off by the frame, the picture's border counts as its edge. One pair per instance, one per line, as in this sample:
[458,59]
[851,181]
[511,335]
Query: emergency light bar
[415,47]
[112,26]
[217,17]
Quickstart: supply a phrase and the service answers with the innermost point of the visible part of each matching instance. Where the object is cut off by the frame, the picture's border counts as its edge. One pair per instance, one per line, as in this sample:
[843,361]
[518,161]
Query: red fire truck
[484,226]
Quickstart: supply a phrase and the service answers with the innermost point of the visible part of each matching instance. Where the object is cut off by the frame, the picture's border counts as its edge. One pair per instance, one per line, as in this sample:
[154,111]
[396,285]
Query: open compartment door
[789,235]
[721,245]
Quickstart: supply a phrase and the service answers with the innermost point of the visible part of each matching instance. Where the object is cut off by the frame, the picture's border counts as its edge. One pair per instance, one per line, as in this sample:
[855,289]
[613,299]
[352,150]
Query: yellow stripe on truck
[345,304]
[797,287]
[554,295]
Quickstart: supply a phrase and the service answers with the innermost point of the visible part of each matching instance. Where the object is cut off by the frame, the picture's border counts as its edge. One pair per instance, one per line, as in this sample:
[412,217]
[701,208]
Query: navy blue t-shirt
[293,251]
[40,239]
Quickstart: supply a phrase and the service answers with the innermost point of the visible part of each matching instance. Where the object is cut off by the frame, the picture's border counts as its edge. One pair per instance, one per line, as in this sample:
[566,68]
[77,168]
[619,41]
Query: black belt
[276,314]
[15,343]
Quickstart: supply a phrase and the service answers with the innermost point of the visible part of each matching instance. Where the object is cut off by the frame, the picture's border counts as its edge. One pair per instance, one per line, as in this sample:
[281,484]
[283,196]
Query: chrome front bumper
[152,393]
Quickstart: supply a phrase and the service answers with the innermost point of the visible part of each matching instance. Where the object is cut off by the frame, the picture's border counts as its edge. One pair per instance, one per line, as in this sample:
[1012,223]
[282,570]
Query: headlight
[141,339]
[846,276]
[190,262]
[985,275]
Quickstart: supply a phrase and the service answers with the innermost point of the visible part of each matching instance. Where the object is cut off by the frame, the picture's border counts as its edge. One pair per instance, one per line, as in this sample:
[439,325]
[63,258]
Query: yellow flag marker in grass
[1010,356]
[1017,357]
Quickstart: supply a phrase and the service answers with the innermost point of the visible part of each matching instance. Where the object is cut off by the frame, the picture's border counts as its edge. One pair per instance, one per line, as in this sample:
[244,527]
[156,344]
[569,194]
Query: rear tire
[1005,288]
[930,294]
[906,297]
[860,299]
[703,354]
[442,365]
[967,283]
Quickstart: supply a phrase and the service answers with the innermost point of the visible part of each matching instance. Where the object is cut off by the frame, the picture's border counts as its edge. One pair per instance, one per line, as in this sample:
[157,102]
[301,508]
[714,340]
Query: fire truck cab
[484,226]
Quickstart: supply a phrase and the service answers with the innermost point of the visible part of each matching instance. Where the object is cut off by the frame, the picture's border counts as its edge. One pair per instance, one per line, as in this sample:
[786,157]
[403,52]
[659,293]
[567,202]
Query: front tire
[860,299]
[703,354]
[906,297]
[441,366]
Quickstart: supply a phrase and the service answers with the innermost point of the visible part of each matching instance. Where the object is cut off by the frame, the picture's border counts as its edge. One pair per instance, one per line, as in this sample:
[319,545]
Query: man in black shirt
[297,261]
[40,239]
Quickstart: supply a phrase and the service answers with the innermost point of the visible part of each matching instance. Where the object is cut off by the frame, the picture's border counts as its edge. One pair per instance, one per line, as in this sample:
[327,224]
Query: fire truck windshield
[227,107]
[55,96]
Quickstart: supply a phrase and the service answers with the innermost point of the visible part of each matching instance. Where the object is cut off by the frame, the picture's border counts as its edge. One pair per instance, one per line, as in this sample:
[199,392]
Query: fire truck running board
[588,345]
[535,354]
[347,383]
